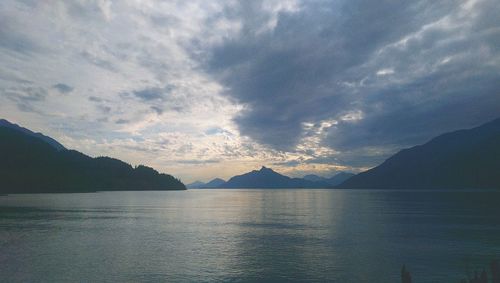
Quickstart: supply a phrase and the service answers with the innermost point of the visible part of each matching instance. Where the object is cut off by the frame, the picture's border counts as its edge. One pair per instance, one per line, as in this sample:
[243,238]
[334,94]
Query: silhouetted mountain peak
[268,178]
[216,180]
[265,169]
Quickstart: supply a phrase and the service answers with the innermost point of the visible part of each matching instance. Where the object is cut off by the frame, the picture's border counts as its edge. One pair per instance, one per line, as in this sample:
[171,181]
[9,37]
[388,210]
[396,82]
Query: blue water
[247,236]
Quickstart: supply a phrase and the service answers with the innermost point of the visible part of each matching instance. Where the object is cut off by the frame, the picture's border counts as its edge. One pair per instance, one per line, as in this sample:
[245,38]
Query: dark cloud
[26,97]
[410,69]
[63,88]
[103,106]
[154,93]
[95,99]
[160,99]
[122,121]
[157,110]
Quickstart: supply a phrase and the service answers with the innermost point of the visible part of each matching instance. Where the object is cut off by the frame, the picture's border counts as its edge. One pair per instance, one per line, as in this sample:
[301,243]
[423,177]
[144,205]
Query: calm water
[247,235]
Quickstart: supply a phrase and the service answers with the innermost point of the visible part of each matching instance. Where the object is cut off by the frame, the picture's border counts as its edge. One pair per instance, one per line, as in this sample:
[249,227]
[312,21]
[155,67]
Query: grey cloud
[14,39]
[104,109]
[14,78]
[177,108]
[164,21]
[63,88]
[102,105]
[87,10]
[26,97]
[322,62]
[160,99]
[157,110]
[122,121]
[98,61]
[95,99]
[154,93]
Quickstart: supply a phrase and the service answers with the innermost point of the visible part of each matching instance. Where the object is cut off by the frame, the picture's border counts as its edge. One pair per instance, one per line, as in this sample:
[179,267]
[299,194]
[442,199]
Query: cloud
[104,109]
[384,72]
[27,98]
[154,93]
[63,88]
[157,110]
[122,121]
[15,41]
[95,99]
[198,162]
[389,81]
[98,61]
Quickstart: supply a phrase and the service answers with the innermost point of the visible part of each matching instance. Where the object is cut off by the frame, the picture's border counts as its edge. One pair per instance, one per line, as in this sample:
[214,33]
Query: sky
[204,89]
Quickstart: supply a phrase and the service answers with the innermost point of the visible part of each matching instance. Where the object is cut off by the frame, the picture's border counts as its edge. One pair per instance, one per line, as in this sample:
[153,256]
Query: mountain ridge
[47,139]
[30,164]
[467,158]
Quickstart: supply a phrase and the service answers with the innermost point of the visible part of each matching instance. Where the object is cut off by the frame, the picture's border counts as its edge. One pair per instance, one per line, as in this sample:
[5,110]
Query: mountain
[33,163]
[457,160]
[215,183]
[6,124]
[267,178]
[314,178]
[333,181]
[195,185]
[339,178]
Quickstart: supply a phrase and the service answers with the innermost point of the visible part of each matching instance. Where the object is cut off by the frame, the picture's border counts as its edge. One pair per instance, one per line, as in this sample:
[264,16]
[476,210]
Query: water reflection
[247,235]
[284,244]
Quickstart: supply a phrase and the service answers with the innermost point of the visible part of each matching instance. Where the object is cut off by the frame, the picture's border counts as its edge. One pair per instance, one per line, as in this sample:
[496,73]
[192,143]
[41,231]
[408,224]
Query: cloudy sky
[201,89]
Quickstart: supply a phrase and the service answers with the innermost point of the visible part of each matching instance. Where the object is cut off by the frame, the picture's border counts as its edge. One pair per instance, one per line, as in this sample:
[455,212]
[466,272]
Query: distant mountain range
[464,159]
[195,185]
[268,178]
[215,183]
[34,163]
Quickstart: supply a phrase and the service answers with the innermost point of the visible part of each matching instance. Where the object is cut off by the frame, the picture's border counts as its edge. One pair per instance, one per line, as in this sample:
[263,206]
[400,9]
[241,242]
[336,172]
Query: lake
[299,235]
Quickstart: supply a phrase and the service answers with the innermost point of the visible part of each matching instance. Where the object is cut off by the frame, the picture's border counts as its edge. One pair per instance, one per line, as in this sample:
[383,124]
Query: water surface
[301,235]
